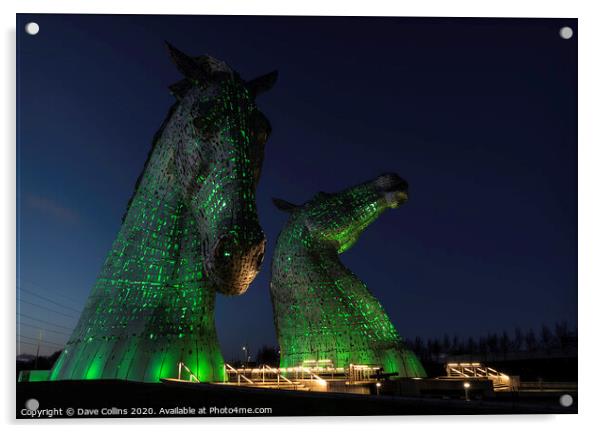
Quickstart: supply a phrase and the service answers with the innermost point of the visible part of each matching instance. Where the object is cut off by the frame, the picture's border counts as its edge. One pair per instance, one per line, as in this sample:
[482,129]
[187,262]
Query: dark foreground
[114,398]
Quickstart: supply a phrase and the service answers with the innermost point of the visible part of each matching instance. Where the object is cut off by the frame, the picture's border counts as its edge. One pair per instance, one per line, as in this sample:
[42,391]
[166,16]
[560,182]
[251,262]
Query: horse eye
[260,128]
[202,107]
[204,125]
[202,121]
[198,123]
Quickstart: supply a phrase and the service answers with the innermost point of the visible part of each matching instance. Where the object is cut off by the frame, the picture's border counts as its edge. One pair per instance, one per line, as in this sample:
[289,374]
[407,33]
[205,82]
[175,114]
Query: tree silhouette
[531,341]
[471,346]
[268,355]
[545,338]
[492,343]
[505,343]
[561,339]
[519,338]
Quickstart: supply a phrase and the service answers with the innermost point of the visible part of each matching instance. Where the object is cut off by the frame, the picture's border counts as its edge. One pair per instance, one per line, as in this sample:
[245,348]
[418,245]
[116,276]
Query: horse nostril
[260,259]
[391,182]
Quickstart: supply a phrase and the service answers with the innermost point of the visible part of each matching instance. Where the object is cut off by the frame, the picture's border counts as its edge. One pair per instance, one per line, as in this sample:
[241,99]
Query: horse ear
[262,84]
[284,205]
[180,88]
[185,64]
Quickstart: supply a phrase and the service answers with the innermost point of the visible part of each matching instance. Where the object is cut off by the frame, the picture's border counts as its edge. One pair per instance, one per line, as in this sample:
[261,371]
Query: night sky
[479,115]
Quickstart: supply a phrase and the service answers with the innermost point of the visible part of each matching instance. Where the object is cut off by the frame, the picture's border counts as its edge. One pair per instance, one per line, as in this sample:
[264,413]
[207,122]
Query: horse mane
[156,138]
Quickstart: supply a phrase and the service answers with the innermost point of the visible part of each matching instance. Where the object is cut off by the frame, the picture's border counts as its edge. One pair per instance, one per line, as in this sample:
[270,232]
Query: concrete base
[438,387]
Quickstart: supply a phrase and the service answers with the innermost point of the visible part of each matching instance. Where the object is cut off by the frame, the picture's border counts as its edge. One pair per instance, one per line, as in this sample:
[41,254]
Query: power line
[36,341]
[41,339]
[33,339]
[44,289]
[43,321]
[25,342]
[44,329]
[48,300]
[49,309]
[36,345]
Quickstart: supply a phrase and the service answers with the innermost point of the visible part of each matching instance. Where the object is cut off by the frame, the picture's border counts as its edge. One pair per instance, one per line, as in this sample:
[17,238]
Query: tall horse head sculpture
[322,311]
[190,230]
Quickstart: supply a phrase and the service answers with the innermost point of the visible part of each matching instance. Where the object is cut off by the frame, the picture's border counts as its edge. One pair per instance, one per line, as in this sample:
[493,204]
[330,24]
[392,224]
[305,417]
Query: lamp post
[378,385]
[245,350]
[466,387]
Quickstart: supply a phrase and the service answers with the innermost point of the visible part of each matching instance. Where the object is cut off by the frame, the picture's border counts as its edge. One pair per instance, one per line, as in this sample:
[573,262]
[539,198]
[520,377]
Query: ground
[134,399]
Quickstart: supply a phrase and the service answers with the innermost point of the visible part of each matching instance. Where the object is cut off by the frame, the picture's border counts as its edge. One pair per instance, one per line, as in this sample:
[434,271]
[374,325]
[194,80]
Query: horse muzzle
[236,263]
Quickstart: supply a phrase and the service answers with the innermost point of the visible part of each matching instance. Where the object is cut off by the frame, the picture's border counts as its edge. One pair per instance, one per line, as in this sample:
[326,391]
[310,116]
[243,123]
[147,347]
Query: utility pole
[35,366]
[245,349]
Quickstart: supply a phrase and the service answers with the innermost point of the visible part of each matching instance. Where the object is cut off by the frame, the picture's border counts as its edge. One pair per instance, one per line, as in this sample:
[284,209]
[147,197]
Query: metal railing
[299,377]
[278,375]
[362,372]
[477,370]
[238,374]
[266,375]
[191,377]
[314,376]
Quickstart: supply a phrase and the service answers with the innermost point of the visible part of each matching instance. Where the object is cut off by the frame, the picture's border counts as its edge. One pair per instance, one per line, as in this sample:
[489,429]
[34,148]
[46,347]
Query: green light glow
[321,309]
[153,304]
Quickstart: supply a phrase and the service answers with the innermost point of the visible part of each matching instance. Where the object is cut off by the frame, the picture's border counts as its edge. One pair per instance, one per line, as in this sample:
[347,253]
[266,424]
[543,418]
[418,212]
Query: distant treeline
[547,340]
[30,362]
[556,339]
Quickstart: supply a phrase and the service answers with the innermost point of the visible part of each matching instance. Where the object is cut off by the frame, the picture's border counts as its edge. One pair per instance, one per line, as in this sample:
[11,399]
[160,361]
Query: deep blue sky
[479,115]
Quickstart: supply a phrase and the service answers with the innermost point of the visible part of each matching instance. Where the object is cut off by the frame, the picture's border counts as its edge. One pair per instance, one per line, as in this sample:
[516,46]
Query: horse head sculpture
[322,310]
[190,230]
[219,152]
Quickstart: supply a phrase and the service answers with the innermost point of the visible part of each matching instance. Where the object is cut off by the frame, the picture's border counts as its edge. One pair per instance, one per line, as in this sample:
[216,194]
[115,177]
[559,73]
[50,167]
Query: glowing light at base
[190,230]
[321,309]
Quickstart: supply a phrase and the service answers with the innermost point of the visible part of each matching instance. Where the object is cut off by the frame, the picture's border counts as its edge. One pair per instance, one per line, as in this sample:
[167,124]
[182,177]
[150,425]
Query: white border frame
[590,141]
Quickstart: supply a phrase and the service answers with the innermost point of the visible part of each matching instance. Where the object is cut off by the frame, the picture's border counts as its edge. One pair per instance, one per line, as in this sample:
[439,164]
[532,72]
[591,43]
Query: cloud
[53,209]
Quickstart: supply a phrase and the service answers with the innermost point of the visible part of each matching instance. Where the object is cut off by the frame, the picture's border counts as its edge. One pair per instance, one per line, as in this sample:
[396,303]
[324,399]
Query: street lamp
[378,385]
[244,349]
[466,387]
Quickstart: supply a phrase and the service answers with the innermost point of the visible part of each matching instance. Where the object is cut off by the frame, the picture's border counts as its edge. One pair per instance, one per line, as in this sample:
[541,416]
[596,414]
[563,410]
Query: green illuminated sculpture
[190,229]
[321,309]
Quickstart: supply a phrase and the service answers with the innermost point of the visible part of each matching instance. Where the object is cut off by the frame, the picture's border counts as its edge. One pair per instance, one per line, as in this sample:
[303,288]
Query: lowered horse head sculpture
[322,311]
[220,137]
[190,230]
